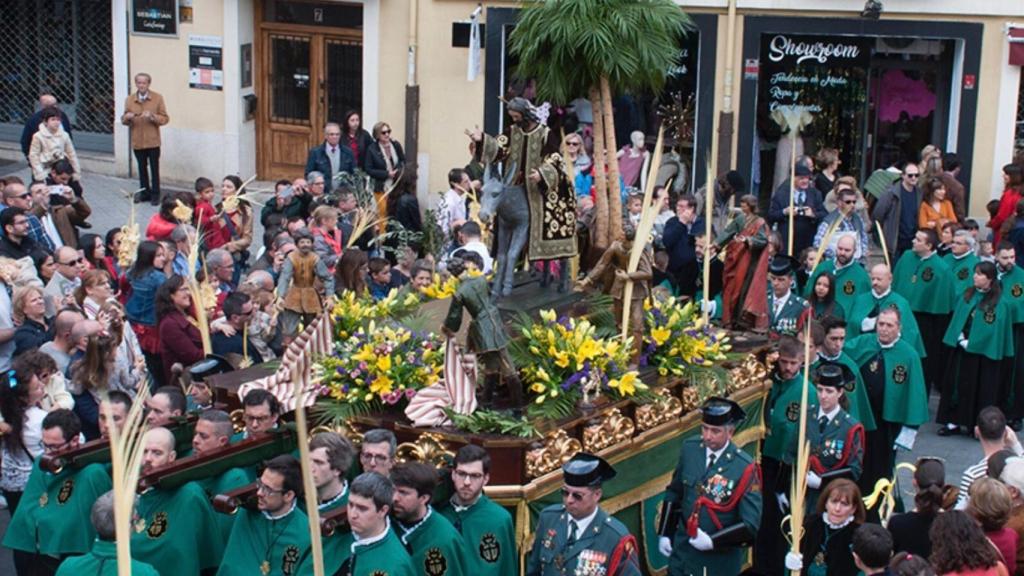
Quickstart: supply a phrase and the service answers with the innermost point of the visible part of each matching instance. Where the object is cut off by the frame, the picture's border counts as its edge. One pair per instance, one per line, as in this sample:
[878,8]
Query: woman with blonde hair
[129,363]
[327,238]
[93,292]
[29,312]
[990,504]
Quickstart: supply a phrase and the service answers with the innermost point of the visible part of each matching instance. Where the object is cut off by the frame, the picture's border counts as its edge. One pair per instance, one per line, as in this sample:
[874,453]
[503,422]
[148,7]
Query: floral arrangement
[352,313]
[568,361]
[380,366]
[441,287]
[676,339]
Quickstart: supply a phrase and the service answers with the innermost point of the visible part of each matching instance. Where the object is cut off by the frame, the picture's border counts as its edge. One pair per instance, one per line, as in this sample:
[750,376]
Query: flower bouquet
[677,341]
[564,360]
[352,312]
[378,367]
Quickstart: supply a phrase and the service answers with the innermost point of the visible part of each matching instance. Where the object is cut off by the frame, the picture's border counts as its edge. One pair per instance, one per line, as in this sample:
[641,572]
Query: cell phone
[56,190]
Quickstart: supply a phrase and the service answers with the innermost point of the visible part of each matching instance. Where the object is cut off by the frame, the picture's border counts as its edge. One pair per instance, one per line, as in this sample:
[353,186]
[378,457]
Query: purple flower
[409,393]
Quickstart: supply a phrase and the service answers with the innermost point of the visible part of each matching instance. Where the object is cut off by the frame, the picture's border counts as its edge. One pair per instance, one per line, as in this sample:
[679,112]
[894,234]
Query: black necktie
[572,534]
[711,460]
[822,423]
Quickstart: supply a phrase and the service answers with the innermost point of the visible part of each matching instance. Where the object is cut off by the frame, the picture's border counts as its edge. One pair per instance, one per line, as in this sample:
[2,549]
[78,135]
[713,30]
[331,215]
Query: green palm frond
[334,413]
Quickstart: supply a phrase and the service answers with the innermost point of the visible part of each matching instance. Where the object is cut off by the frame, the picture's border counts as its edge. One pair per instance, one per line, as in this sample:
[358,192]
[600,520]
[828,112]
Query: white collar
[962,256]
[781,300]
[837,267]
[882,295]
[338,496]
[828,358]
[460,508]
[371,539]
[268,516]
[583,523]
[718,453]
[843,524]
[930,254]
[411,529]
[890,344]
[831,415]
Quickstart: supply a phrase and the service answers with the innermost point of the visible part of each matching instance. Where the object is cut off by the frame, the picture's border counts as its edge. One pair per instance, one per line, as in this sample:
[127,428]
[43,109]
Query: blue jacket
[318,160]
[141,307]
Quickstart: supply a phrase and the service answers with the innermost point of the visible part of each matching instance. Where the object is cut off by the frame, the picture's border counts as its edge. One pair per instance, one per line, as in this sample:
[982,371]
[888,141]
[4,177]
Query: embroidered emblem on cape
[159,526]
[899,374]
[289,560]
[65,491]
[990,317]
[490,548]
[848,288]
[793,411]
[435,563]
[1017,290]
[962,273]
[928,274]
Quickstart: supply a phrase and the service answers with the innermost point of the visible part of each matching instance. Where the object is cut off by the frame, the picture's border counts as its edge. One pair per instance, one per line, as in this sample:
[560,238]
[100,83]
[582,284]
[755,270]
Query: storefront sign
[205,62]
[792,50]
[750,69]
[155,17]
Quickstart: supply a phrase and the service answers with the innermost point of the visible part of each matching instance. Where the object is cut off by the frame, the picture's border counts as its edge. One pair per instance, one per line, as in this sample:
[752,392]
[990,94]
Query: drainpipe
[726,116]
[412,98]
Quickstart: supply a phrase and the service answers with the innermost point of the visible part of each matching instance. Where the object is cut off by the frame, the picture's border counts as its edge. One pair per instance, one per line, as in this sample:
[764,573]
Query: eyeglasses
[55,447]
[258,419]
[374,457]
[912,175]
[576,496]
[385,131]
[261,487]
[463,476]
[74,262]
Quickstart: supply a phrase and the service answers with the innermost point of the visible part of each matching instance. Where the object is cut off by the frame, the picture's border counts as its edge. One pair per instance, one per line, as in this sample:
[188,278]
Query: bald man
[850,279]
[174,530]
[864,313]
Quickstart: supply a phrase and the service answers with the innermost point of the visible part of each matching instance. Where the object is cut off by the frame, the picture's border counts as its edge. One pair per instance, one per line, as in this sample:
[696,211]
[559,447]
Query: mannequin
[633,160]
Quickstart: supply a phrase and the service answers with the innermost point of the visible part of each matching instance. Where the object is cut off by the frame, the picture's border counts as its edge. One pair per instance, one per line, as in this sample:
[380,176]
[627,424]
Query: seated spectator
[20,396]
[60,290]
[63,343]
[180,339]
[907,564]
[45,266]
[129,363]
[272,259]
[93,292]
[379,279]
[351,272]
[238,311]
[62,173]
[422,274]
[112,242]
[56,393]
[30,314]
[932,496]
[60,213]
[50,144]
[263,326]
[401,272]
[990,505]
[960,548]
[326,235]
[16,242]
[16,195]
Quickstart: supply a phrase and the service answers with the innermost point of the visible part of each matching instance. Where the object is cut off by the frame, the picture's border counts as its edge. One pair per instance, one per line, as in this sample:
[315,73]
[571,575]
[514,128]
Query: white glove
[665,546]
[867,324]
[702,541]
[794,561]
[963,343]
[813,480]
[783,501]
[708,306]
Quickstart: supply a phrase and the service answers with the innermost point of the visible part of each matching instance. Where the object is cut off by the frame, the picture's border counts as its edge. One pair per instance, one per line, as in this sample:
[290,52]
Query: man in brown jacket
[144,114]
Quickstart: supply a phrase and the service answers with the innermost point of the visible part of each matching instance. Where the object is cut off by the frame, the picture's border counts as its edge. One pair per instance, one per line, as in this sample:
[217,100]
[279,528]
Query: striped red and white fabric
[457,390]
[297,365]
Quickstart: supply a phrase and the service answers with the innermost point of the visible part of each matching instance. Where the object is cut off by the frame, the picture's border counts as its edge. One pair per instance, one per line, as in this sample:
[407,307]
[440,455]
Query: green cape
[1013,292]
[990,333]
[436,548]
[385,557]
[55,510]
[851,281]
[783,415]
[905,399]
[489,535]
[222,484]
[101,561]
[338,546]
[927,283]
[868,305]
[281,545]
[962,270]
[180,535]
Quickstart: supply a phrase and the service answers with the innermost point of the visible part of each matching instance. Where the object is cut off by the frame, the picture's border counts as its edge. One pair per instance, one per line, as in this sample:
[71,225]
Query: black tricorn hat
[833,374]
[209,366]
[586,470]
[801,169]
[782,265]
[718,411]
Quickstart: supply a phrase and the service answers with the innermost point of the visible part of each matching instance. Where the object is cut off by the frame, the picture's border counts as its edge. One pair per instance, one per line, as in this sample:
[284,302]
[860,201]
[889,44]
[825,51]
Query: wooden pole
[709,200]
[600,238]
[881,241]
[611,148]
[301,381]
[792,188]
[643,232]
[126,447]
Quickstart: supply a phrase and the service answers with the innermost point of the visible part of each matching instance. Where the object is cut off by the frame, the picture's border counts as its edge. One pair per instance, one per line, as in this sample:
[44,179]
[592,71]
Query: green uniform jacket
[590,554]
[926,283]
[486,330]
[222,484]
[1013,292]
[905,400]
[436,548]
[785,321]
[338,546]
[490,538]
[783,416]
[53,517]
[839,445]
[722,485]
[101,561]
[962,270]
[869,305]
[281,545]
[851,281]
[857,395]
[176,531]
[989,333]
[384,557]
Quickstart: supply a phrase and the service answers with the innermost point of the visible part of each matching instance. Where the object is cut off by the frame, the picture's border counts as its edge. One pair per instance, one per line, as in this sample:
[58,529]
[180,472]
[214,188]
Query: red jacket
[159,229]
[180,342]
[1007,208]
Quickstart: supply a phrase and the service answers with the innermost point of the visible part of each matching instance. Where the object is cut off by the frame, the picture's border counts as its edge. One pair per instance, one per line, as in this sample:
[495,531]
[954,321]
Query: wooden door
[311,78]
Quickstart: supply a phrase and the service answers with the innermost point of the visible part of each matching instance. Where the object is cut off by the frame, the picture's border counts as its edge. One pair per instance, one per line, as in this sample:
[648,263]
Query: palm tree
[597,47]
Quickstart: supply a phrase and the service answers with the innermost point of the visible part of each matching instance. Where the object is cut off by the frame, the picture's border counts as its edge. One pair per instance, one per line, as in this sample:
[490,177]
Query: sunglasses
[576,496]
[74,262]
[572,143]
[912,175]
[385,131]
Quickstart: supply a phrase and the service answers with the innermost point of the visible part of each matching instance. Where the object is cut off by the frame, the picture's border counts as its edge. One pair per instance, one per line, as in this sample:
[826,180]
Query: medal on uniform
[43,499]
[265,567]
[140,525]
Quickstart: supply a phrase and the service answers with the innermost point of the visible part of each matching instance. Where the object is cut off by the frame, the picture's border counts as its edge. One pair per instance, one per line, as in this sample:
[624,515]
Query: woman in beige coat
[50,144]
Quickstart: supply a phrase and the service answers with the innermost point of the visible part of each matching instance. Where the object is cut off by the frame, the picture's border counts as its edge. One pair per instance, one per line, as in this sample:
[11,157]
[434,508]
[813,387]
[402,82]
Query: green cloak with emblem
[1012,283]
[490,538]
[856,393]
[222,484]
[176,531]
[869,305]
[338,546]
[724,496]
[552,201]
[962,269]
[851,281]
[382,557]
[591,553]
[53,516]
[436,548]
[905,401]
[101,561]
[783,416]
[989,330]
[926,283]
[259,545]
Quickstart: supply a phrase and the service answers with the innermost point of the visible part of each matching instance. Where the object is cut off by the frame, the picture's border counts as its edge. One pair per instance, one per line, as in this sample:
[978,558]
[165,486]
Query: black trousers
[149,171]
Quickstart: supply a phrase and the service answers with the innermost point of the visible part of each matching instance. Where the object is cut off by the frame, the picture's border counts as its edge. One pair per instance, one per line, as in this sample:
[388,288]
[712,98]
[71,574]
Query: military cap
[209,366]
[833,375]
[718,411]
[585,470]
[782,265]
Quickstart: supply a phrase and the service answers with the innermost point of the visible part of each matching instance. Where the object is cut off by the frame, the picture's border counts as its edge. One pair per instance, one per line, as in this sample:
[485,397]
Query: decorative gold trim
[237,420]
[664,409]
[556,448]
[428,448]
[607,430]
